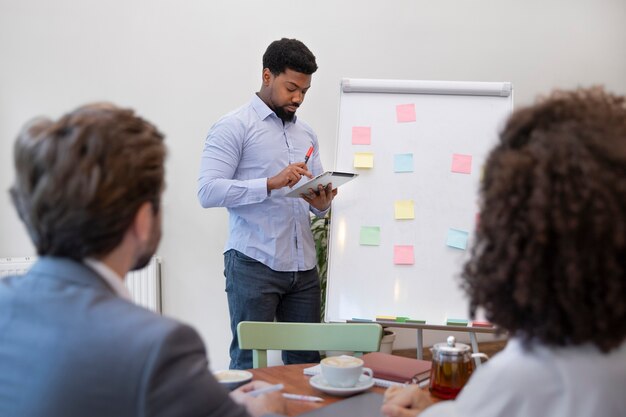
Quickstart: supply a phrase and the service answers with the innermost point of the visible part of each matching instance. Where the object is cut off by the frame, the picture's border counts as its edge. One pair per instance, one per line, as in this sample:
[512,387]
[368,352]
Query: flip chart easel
[400,232]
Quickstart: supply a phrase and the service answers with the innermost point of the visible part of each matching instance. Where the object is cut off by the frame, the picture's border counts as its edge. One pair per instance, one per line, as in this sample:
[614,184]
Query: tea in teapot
[451,369]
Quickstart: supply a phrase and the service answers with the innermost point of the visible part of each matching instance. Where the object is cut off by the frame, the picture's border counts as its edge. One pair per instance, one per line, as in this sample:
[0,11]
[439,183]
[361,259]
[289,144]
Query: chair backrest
[264,336]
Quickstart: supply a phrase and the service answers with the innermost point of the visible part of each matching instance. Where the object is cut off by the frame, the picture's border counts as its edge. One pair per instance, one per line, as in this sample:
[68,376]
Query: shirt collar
[110,277]
[263,109]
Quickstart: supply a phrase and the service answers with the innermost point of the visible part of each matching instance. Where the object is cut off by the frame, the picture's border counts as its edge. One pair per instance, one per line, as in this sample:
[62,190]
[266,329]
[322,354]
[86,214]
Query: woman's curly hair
[549,261]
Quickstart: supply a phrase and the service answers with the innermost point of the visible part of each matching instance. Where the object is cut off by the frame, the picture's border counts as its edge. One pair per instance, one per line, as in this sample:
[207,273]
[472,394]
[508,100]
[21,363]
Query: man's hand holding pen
[289,176]
[323,196]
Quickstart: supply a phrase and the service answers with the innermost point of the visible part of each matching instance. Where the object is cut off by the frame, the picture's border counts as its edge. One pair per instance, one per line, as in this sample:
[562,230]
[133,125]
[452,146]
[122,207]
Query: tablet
[337,178]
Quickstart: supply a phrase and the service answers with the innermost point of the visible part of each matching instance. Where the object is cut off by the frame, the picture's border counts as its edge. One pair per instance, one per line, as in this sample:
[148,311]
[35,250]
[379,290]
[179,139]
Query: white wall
[183,64]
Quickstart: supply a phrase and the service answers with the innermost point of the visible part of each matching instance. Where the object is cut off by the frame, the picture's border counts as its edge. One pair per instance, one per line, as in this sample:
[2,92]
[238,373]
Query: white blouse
[570,382]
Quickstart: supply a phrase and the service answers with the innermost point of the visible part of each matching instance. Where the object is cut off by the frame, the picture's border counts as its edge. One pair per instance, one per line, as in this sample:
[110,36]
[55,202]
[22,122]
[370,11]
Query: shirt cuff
[319,213]
[258,189]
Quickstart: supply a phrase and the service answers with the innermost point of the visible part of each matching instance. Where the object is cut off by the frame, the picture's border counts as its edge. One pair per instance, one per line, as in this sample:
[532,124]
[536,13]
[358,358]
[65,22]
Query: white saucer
[232,378]
[318,382]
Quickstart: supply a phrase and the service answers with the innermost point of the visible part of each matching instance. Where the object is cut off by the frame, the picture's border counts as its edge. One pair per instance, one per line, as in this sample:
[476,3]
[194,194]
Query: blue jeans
[258,293]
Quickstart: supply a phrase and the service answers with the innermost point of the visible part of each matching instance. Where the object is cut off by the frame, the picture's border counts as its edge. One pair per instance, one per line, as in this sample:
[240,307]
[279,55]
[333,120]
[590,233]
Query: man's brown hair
[81,179]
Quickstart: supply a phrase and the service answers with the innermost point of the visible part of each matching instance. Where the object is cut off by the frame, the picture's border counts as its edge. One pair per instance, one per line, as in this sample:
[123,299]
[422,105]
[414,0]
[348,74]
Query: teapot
[452,366]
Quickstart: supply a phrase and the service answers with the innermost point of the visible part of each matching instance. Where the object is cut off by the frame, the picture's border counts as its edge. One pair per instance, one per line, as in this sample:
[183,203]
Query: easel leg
[420,344]
[474,342]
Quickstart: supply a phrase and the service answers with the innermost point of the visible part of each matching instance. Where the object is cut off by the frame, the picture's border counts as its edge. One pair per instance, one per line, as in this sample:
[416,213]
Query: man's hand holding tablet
[320,198]
[326,180]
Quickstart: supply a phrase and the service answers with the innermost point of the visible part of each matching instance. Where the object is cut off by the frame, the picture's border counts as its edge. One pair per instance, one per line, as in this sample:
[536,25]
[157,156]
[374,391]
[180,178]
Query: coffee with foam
[344,371]
[342,361]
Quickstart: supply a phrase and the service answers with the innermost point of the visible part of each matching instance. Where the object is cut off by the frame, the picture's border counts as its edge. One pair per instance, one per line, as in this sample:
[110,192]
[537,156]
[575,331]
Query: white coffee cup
[344,371]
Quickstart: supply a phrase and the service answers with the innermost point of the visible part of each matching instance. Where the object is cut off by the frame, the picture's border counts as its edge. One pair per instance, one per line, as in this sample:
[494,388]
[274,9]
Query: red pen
[308,154]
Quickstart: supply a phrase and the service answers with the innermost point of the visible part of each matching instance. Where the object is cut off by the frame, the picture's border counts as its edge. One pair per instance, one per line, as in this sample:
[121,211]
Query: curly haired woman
[549,266]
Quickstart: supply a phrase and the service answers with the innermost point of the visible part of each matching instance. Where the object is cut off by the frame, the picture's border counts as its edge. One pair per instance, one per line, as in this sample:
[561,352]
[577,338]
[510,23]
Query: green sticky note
[370,235]
[416,321]
[457,322]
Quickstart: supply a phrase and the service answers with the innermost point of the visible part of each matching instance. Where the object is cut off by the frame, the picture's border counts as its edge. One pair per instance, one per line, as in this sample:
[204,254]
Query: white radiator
[144,285]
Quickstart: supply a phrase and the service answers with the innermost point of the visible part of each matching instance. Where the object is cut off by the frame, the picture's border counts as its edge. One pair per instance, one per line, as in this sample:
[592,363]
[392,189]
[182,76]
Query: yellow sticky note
[404,209]
[364,160]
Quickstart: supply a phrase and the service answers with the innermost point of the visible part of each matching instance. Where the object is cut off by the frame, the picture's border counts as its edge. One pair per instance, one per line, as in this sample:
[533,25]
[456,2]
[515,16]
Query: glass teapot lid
[451,347]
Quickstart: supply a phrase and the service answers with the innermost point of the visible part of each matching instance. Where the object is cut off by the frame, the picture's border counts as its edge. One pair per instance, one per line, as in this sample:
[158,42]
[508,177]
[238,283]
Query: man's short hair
[289,53]
[81,179]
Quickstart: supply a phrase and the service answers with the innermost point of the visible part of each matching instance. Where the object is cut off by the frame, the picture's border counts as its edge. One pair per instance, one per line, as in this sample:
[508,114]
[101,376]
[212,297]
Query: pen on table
[302,397]
[424,383]
[308,155]
[265,390]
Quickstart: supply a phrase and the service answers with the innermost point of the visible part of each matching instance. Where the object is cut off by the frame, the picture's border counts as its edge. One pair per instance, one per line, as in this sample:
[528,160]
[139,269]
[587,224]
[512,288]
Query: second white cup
[344,371]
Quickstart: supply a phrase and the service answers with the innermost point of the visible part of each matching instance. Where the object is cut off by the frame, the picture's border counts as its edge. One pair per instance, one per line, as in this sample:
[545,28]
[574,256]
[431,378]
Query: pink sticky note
[403,255]
[361,135]
[405,113]
[462,163]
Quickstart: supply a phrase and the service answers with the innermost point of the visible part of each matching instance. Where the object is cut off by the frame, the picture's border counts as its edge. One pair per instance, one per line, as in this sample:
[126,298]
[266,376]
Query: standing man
[252,157]
[88,189]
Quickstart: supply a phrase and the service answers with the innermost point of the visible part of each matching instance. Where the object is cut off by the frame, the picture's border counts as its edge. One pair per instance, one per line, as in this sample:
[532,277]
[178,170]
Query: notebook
[397,368]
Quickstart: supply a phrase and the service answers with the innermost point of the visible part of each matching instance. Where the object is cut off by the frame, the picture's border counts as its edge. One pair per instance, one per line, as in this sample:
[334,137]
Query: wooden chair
[264,336]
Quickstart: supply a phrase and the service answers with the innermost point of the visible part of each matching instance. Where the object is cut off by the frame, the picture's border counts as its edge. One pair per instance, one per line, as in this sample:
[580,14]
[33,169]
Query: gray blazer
[70,347]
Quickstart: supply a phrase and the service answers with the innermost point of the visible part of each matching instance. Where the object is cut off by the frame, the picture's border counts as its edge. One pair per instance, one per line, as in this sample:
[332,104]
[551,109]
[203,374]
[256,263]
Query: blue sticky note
[403,162]
[457,239]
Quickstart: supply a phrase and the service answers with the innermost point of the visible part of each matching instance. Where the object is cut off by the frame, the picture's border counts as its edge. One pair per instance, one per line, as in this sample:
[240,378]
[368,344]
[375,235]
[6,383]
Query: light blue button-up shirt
[242,150]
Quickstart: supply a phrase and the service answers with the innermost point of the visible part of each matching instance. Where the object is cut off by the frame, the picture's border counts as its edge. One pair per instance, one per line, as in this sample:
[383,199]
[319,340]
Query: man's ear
[266,77]
[143,222]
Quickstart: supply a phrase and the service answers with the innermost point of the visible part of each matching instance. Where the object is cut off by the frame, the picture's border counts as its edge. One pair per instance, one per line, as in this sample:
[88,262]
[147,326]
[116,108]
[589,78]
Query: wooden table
[295,382]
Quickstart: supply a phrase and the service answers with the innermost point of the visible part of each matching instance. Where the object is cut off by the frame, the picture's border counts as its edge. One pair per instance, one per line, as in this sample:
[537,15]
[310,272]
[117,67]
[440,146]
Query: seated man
[549,266]
[88,189]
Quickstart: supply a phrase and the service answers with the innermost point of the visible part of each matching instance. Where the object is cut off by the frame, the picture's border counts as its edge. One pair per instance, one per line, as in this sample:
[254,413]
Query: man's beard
[284,115]
[151,246]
